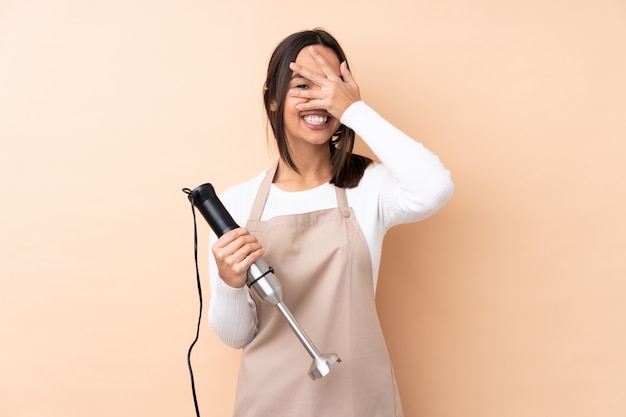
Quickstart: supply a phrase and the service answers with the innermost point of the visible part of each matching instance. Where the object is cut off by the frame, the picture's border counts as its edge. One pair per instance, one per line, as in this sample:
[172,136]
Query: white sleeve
[417,184]
[232,311]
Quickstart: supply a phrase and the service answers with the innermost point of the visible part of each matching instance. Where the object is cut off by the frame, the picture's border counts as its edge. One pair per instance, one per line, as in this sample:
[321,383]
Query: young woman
[318,217]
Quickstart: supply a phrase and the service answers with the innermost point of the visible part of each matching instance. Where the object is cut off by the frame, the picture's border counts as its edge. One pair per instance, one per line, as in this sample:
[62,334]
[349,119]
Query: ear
[273,105]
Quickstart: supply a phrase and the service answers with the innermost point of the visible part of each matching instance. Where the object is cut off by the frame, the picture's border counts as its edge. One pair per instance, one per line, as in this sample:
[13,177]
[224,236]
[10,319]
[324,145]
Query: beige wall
[509,302]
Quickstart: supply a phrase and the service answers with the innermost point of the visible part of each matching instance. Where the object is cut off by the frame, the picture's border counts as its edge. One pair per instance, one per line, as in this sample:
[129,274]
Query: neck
[312,172]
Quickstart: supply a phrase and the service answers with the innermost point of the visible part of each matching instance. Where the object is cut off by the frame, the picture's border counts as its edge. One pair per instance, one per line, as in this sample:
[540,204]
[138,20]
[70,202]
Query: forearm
[424,183]
[232,313]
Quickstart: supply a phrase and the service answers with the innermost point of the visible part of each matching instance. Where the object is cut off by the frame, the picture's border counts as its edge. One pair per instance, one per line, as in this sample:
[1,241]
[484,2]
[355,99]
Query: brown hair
[347,168]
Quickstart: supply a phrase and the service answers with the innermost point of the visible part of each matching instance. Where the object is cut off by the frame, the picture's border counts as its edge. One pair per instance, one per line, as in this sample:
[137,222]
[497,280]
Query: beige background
[509,302]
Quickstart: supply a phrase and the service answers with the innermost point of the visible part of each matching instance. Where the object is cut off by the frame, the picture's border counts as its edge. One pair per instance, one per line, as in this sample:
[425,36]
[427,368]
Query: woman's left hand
[337,90]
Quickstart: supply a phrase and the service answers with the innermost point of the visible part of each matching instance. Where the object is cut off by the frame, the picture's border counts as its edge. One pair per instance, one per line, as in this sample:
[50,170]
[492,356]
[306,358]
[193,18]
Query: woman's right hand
[234,252]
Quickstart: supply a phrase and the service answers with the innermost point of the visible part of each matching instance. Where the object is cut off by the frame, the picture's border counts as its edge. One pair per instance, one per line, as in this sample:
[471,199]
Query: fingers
[237,249]
[307,73]
[330,73]
[234,253]
[337,89]
[346,75]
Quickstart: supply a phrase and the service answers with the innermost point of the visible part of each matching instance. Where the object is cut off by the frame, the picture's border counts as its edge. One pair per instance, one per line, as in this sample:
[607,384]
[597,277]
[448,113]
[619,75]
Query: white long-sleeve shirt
[408,185]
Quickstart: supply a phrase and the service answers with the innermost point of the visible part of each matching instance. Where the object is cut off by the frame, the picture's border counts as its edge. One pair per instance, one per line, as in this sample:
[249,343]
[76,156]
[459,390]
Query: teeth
[315,120]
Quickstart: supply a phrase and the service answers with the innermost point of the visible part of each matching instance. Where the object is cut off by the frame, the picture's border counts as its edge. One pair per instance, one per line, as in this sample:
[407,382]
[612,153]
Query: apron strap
[342,201]
[264,189]
[261,195]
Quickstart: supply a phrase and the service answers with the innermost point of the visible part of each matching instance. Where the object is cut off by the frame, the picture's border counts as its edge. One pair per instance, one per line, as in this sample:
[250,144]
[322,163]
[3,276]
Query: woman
[318,217]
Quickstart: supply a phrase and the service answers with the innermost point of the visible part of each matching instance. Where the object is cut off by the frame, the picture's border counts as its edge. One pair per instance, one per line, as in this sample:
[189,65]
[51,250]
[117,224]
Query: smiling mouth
[315,120]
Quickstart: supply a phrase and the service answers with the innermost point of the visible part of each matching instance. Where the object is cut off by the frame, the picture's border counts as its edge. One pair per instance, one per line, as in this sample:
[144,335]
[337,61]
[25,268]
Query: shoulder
[375,171]
[238,199]
[367,190]
[243,188]
[372,177]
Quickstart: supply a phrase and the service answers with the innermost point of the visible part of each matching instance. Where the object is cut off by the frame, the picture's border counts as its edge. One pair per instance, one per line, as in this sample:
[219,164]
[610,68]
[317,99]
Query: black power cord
[195,252]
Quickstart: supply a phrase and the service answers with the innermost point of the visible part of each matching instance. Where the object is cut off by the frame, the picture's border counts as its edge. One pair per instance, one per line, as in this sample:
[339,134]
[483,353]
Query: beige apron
[323,263]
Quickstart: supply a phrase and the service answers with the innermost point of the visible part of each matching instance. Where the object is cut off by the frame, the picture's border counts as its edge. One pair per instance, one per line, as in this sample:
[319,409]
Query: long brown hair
[346,168]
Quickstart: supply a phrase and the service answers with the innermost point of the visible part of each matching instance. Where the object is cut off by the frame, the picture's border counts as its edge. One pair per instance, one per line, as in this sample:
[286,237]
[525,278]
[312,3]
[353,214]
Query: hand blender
[260,276]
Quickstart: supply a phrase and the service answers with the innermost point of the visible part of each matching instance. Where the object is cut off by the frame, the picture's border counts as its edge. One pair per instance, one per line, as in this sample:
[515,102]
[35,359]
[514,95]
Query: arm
[417,184]
[232,312]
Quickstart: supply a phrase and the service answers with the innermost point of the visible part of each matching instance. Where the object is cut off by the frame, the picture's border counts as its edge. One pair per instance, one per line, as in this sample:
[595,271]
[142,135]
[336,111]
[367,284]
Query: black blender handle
[212,209]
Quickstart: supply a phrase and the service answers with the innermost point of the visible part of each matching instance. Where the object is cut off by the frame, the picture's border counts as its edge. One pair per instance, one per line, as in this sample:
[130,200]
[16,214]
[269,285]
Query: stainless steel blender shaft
[262,280]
